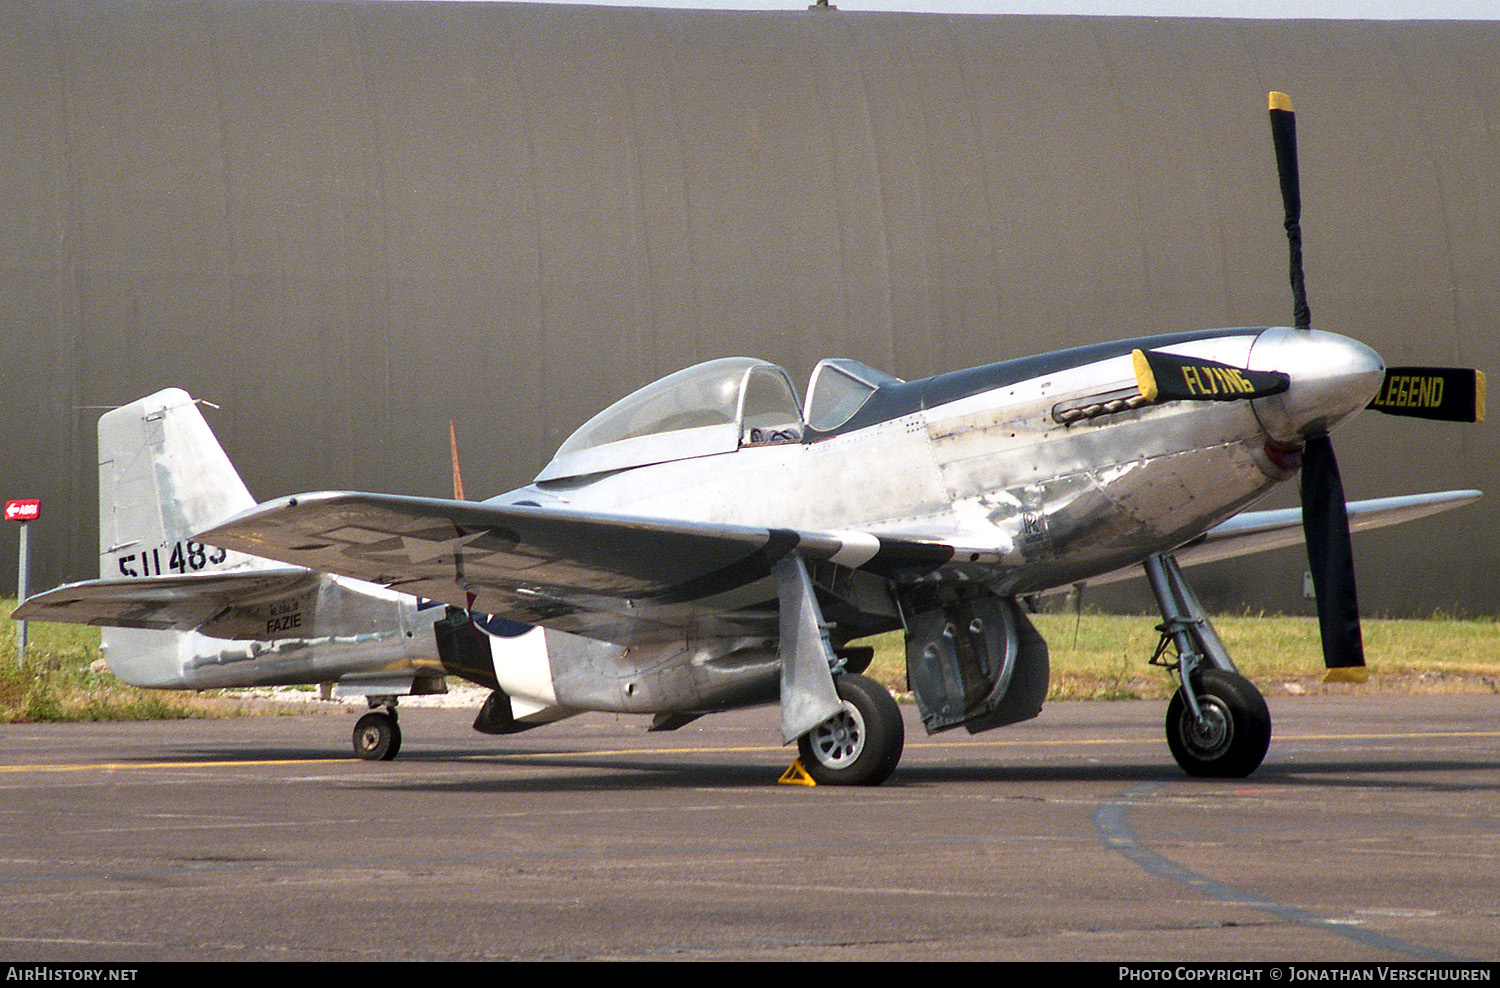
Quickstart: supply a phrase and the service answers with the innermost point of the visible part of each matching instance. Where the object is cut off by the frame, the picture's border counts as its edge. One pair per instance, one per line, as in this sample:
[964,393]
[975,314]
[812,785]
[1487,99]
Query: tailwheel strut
[377,735]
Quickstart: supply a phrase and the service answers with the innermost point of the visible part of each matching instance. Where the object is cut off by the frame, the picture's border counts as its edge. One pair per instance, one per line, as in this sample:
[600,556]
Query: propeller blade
[1448,394]
[1284,137]
[1330,555]
[1170,377]
[458,479]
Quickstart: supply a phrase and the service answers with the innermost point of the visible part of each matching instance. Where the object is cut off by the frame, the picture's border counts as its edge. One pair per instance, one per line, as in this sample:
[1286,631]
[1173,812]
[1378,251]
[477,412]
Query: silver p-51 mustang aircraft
[711,541]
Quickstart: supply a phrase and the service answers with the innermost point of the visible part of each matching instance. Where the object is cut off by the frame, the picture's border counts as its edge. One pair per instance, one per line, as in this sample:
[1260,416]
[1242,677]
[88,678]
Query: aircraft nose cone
[1332,377]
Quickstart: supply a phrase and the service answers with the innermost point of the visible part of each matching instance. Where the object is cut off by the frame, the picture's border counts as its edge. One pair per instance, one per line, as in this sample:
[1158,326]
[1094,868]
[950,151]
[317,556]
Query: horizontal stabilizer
[167,603]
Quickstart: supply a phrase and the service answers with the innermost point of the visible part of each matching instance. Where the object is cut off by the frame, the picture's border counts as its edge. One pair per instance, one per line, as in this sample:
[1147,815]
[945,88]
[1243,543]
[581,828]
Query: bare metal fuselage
[1052,504]
[1059,502]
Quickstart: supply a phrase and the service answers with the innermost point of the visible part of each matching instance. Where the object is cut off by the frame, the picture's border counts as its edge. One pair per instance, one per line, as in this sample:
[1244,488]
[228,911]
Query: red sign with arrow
[29,510]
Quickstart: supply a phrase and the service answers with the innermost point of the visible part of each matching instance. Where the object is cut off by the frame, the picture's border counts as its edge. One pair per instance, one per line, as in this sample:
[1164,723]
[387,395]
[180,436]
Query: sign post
[25,512]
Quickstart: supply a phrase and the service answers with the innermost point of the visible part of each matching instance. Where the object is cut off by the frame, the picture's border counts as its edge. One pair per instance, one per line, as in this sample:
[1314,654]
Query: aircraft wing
[618,578]
[631,579]
[161,603]
[1260,531]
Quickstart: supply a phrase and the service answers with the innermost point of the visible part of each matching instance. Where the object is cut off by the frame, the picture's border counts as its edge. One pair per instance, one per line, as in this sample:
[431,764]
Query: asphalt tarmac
[1371,833]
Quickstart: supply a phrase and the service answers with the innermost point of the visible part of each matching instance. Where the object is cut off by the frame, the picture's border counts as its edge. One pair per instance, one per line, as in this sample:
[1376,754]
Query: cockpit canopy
[713,407]
[840,387]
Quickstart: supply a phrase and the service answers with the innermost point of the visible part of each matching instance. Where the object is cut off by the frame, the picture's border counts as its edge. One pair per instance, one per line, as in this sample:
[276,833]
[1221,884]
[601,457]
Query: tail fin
[162,477]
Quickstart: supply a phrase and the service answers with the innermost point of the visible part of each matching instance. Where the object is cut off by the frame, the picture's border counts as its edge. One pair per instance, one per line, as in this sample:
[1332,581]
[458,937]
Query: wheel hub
[839,740]
[1210,733]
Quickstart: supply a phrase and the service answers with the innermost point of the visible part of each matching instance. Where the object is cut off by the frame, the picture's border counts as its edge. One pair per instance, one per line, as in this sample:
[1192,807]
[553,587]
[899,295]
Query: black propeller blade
[1448,394]
[1284,137]
[1330,554]
[1325,522]
[1171,377]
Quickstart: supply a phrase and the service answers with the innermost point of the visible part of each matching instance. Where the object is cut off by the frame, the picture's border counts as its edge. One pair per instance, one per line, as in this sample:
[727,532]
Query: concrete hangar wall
[347,223]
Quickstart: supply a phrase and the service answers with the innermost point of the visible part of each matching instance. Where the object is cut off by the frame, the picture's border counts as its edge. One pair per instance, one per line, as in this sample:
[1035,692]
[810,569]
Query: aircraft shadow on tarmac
[565,772]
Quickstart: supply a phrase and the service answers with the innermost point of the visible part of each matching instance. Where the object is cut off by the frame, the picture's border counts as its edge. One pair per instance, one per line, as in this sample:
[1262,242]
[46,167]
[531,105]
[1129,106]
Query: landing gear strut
[1217,721]
[377,736]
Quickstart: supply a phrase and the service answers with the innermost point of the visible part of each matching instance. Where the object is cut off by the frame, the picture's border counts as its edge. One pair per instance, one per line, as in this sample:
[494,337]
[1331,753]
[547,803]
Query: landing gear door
[973,659]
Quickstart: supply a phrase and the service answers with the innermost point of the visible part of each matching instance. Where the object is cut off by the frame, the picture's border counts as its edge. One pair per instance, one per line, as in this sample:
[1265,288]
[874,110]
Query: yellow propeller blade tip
[1281,101]
[1354,674]
[1145,380]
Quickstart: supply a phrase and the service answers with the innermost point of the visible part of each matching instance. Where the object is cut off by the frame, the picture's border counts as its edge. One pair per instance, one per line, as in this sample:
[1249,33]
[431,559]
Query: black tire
[377,737]
[857,658]
[862,744]
[1234,735]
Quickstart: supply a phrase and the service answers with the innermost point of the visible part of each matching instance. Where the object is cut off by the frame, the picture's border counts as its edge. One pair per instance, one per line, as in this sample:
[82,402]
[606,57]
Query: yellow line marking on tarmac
[606,752]
[119,766]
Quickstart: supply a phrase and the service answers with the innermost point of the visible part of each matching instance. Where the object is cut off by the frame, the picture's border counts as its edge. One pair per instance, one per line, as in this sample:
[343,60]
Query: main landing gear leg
[377,736]
[847,728]
[1217,721]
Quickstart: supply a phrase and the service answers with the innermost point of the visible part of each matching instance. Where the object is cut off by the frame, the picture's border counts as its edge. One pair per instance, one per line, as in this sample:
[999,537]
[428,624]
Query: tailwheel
[1231,736]
[860,745]
[377,736]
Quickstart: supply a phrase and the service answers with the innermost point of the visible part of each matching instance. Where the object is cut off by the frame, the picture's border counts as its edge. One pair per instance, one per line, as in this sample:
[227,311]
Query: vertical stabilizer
[162,477]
